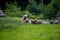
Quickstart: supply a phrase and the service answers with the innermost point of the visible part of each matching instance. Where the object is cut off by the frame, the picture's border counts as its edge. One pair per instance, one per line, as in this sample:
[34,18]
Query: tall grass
[19,31]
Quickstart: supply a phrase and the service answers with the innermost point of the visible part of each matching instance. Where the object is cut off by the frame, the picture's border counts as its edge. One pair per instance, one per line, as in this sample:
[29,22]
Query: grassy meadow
[11,28]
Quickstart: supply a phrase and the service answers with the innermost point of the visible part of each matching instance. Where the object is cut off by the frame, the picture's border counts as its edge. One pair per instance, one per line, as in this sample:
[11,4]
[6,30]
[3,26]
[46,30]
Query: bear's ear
[25,16]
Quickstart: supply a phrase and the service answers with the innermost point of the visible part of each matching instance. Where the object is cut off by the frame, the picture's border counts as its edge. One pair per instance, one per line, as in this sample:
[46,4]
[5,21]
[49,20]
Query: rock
[2,14]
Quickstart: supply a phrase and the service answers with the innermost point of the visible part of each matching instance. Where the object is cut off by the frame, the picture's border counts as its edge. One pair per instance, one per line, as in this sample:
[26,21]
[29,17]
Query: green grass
[11,28]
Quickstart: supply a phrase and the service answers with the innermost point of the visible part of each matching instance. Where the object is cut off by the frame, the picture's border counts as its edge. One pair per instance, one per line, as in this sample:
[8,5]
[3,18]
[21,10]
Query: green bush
[50,11]
[13,10]
[40,16]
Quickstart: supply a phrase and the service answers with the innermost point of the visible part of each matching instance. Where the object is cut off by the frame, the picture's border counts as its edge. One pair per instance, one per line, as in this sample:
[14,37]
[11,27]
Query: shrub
[13,10]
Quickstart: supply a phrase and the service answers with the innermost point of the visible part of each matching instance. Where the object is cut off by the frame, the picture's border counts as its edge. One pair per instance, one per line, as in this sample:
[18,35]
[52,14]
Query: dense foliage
[50,9]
